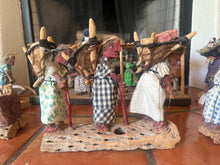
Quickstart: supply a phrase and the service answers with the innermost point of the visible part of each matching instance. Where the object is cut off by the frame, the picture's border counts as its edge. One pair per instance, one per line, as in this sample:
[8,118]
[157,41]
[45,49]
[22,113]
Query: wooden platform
[137,135]
[214,135]
[179,100]
[7,132]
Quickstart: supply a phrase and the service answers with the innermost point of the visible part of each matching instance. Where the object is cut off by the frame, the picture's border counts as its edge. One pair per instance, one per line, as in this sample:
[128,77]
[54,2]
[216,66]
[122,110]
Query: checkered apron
[104,95]
[211,110]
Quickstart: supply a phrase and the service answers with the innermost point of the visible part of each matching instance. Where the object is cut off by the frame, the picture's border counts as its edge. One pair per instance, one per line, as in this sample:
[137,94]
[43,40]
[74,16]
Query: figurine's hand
[10,77]
[113,76]
[117,79]
[121,84]
[61,83]
[12,80]
[170,91]
[72,75]
[171,96]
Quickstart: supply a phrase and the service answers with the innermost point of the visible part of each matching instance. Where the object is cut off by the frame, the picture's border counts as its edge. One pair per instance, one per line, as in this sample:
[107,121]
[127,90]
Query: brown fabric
[10,109]
[159,48]
[83,63]
[159,53]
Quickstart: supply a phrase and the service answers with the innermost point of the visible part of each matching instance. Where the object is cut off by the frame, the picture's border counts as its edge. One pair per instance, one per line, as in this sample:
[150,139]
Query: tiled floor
[193,149]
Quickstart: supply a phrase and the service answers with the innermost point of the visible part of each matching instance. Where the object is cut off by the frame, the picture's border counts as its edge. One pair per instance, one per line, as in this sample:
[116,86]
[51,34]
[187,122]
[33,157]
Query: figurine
[104,88]
[49,63]
[150,93]
[10,105]
[10,108]
[52,101]
[129,73]
[214,64]
[6,77]
[211,110]
[79,81]
[212,54]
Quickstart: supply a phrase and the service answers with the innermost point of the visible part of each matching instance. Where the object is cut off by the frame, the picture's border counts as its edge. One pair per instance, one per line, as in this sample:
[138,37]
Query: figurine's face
[174,59]
[10,61]
[130,59]
[113,50]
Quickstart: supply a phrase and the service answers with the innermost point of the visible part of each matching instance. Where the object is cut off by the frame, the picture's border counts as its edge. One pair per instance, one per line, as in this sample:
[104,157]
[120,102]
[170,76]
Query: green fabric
[52,101]
[129,76]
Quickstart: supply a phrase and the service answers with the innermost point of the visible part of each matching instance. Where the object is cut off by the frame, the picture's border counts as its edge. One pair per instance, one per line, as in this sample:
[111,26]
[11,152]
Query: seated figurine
[6,77]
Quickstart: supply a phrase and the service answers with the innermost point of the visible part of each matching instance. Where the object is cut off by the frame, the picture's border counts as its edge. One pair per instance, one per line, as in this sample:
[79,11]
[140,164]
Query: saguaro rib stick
[68,107]
[123,106]
[92,34]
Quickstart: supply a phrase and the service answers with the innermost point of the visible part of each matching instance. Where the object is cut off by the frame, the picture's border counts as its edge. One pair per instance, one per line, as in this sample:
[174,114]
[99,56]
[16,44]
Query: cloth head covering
[85,34]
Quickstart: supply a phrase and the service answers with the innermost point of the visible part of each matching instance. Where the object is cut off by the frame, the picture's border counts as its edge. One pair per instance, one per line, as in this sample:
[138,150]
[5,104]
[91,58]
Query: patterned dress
[52,101]
[3,77]
[104,94]
[79,84]
[149,96]
[211,110]
[212,70]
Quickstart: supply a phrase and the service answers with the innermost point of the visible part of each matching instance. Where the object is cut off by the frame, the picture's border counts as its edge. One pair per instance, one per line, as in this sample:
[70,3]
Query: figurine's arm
[168,84]
[74,74]
[62,83]
[117,79]
[10,77]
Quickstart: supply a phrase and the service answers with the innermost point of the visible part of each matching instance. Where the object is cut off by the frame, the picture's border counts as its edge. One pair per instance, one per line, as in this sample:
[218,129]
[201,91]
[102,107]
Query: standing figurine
[6,77]
[212,54]
[104,88]
[129,73]
[79,80]
[211,110]
[150,93]
[49,63]
[52,100]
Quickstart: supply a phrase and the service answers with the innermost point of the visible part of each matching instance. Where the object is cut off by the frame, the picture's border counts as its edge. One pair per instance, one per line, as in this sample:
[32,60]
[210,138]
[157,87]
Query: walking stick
[125,119]
[68,107]
[63,85]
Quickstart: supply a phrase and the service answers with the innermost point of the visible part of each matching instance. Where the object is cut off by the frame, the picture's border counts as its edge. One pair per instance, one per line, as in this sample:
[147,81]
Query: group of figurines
[92,61]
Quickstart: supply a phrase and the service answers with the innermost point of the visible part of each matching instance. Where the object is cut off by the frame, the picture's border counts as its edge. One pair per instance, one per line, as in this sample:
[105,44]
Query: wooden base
[137,135]
[7,132]
[214,135]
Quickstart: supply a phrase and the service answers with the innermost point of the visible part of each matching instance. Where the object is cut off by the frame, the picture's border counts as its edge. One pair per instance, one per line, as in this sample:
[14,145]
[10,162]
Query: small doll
[129,72]
[150,93]
[6,77]
[105,85]
[211,111]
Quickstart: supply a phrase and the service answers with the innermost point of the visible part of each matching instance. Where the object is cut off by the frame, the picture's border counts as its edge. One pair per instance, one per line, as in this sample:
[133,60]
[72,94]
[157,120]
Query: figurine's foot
[160,125]
[101,127]
[213,127]
[147,119]
[51,128]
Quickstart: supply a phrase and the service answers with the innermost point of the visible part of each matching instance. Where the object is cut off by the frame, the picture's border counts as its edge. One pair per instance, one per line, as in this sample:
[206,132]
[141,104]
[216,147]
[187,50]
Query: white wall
[11,38]
[205,20]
